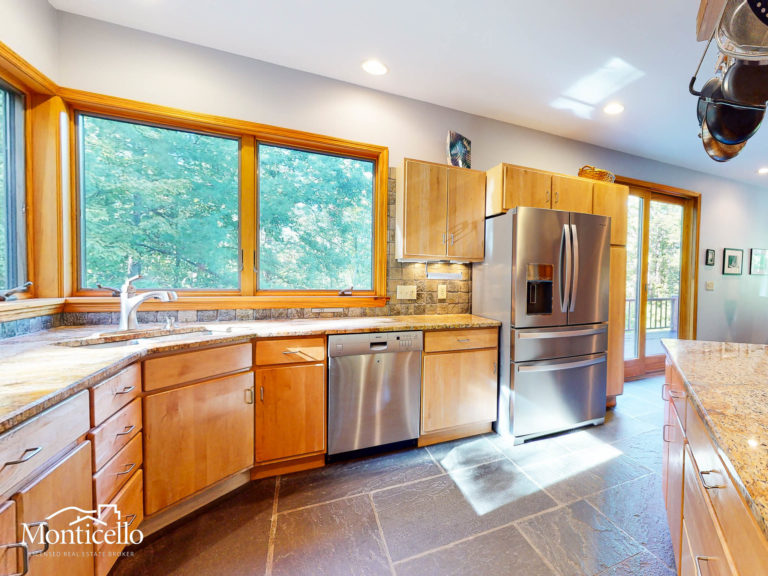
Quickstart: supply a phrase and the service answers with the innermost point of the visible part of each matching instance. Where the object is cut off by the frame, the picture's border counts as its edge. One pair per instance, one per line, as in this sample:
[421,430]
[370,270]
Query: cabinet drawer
[674,391]
[115,433]
[26,447]
[290,351]
[744,538]
[116,472]
[197,365]
[129,502]
[445,340]
[114,393]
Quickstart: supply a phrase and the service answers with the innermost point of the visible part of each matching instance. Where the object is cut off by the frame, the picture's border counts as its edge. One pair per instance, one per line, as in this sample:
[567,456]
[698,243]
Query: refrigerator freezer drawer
[529,345]
[557,395]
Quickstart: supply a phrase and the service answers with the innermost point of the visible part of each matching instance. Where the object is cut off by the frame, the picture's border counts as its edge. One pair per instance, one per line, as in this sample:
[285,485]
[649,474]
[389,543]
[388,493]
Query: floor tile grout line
[432,456]
[381,533]
[591,494]
[603,572]
[539,552]
[272,530]
[531,479]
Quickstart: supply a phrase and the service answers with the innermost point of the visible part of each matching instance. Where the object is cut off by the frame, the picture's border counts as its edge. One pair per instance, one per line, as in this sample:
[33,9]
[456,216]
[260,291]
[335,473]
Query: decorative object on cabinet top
[596,174]
[35,373]
[726,384]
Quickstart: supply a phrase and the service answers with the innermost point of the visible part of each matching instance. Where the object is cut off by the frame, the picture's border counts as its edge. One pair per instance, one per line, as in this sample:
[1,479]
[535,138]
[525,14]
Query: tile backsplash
[457,301]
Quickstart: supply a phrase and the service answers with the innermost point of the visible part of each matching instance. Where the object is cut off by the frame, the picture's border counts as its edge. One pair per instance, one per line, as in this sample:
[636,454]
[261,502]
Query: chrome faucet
[130,300]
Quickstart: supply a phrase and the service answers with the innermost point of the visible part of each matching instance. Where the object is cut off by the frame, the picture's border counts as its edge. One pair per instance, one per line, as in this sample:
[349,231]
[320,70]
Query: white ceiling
[503,59]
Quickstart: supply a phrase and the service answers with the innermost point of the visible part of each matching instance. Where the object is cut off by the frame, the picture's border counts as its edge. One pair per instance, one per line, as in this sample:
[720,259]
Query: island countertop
[727,384]
[36,372]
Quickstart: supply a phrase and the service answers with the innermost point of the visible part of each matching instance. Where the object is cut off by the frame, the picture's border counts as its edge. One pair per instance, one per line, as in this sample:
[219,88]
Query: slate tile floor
[586,502]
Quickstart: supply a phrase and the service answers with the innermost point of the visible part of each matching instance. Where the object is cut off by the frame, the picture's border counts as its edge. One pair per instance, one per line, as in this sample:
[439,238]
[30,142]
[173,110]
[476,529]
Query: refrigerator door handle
[560,334]
[575,285]
[565,266]
[566,366]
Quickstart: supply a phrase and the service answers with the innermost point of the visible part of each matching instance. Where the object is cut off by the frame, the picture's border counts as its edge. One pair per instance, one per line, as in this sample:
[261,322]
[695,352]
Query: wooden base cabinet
[290,411]
[195,436]
[616,320]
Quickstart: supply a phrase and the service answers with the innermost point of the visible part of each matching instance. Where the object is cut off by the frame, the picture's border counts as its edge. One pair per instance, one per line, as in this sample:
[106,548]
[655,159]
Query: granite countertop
[728,386]
[36,373]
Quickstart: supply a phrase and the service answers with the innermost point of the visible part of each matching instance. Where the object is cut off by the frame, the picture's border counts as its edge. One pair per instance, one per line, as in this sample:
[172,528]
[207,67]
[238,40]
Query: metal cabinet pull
[291,351]
[664,432]
[664,388]
[557,196]
[261,393]
[676,394]
[451,239]
[46,544]
[249,396]
[126,430]
[24,556]
[27,455]
[129,522]
[546,195]
[463,339]
[125,390]
[705,558]
[703,473]
[130,467]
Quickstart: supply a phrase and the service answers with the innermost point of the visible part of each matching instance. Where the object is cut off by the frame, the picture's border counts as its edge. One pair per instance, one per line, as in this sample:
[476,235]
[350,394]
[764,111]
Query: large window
[158,202]
[12,204]
[316,220]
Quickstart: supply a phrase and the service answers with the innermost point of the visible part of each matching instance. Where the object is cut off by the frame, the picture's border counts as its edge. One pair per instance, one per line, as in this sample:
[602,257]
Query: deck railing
[660,314]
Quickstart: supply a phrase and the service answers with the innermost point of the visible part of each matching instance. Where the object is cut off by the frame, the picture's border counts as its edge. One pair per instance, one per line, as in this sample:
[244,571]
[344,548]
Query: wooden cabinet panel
[572,194]
[526,187]
[425,208]
[129,502]
[611,200]
[25,448]
[290,411]
[195,436]
[114,393]
[11,559]
[115,433]
[447,340]
[196,365]
[458,388]
[290,351]
[67,484]
[616,312]
[672,469]
[466,214]
[115,473]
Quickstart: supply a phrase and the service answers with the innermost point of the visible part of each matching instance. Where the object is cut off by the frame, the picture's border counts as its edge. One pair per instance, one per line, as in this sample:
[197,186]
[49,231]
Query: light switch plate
[406,292]
[442,291]
[709,286]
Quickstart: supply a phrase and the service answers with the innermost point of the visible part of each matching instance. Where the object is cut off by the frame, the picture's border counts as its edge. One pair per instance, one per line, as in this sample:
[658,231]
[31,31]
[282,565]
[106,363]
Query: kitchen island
[716,455]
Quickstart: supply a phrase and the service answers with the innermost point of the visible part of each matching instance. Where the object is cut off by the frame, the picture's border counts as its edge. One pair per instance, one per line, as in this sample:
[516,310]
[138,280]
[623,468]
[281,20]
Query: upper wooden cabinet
[611,200]
[510,186]
[439,212]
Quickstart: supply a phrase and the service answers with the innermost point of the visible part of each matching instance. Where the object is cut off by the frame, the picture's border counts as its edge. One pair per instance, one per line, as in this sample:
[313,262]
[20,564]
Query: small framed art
[709,259]
[732,261]
[758,261]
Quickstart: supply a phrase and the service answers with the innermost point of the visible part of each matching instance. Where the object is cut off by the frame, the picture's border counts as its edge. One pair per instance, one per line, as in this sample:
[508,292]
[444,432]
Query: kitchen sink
[135,337]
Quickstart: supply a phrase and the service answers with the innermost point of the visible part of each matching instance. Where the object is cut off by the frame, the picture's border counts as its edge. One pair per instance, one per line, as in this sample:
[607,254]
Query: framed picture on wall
[709,260]
[758,261]
[732,261]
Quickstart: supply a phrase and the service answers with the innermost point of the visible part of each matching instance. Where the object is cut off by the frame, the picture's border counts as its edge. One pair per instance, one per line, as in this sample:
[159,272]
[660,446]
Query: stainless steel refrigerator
[545,277]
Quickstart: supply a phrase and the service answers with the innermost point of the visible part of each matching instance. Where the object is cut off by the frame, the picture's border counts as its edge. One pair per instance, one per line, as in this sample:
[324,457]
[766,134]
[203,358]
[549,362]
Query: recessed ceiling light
[763,170]
[613,108]
[375,67]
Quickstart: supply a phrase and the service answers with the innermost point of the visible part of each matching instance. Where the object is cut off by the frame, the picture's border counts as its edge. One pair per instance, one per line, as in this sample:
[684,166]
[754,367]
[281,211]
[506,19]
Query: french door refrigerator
[545,277]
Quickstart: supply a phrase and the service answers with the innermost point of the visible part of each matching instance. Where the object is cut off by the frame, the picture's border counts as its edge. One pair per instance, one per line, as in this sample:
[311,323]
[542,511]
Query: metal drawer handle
[560,334]
[46,544]
[703,473]
[130,467]
[463,339]
[24,556]
[126,430]
[676,394]
[27,455]
[129,522]
[664,432]
[664,389]
[124,390]
[706,559]
[291,351]
[566,366]
[249,396]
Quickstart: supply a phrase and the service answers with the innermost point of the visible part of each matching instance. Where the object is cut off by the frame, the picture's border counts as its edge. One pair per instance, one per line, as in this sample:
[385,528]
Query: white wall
[30,28]
[112,60]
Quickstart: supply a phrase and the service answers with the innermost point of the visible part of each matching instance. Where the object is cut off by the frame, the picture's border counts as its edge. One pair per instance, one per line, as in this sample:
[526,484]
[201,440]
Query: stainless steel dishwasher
[374,389]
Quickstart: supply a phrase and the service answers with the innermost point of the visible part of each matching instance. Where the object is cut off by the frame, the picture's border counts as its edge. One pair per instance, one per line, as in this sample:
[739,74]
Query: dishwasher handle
[378,345]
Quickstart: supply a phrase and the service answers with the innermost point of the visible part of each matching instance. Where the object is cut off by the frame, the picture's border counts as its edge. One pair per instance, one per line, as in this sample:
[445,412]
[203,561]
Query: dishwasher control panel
[375,343]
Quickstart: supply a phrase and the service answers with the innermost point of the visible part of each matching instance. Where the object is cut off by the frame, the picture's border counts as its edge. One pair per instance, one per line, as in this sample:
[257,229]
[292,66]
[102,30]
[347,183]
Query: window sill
[112,304]
[29,308]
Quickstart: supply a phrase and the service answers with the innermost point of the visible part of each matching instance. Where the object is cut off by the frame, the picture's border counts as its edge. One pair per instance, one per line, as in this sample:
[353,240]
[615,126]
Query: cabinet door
[616,319]
[67,484]
[458,388]
[290,411]
[672,468]
[466,214]
[195,436]
[425,209]
[611,200]
[572,194]
[525,187]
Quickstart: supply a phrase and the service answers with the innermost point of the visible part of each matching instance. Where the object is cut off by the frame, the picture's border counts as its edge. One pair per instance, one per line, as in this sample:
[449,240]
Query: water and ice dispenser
[539,288]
